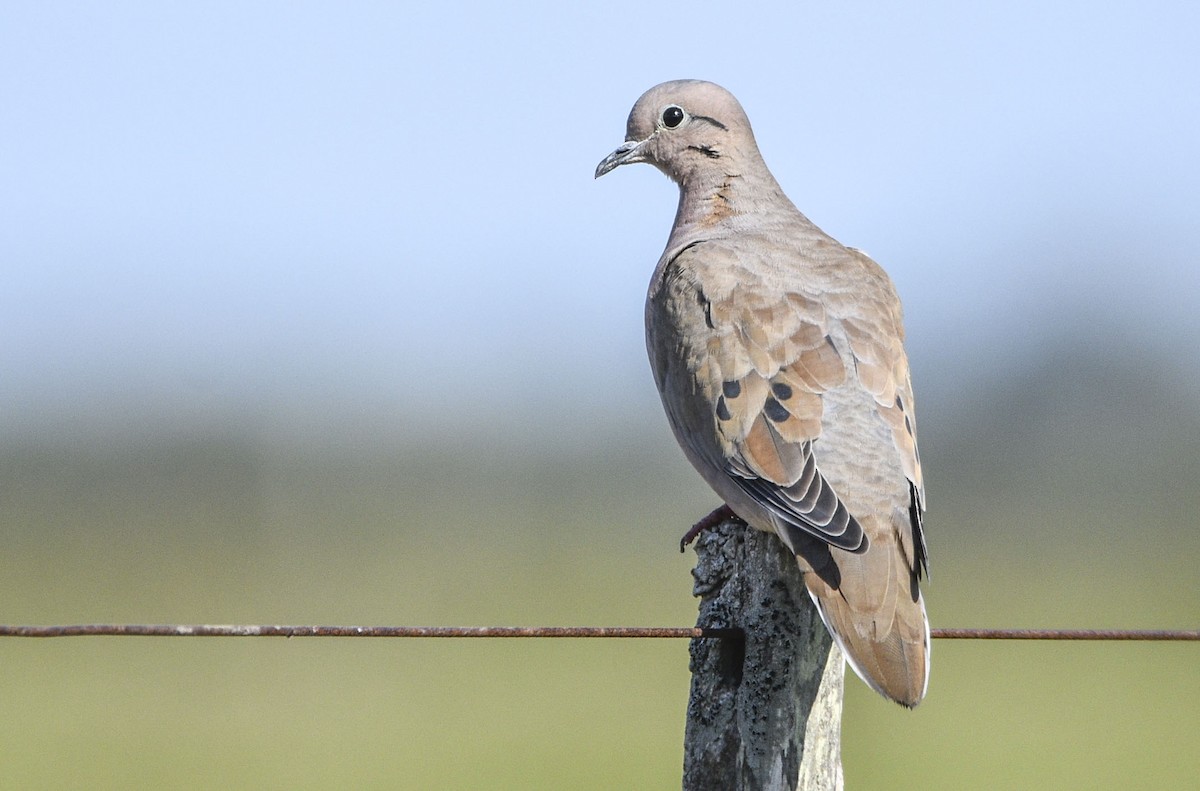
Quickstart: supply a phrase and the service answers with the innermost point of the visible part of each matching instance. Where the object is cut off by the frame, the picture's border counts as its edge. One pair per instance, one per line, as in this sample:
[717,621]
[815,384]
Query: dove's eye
[672,116]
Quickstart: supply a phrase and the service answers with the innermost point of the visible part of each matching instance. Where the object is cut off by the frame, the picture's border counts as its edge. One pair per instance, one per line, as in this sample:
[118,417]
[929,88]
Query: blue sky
[299,209]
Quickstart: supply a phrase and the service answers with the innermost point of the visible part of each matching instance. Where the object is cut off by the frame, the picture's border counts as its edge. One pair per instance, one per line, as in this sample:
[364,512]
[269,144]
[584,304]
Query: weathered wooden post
[764,712]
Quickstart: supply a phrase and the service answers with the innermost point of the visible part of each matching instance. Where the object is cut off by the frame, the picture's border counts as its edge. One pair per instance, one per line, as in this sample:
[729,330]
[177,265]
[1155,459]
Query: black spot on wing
[731,389]
[723,409]
[908,426]
[775,411]
[781,390]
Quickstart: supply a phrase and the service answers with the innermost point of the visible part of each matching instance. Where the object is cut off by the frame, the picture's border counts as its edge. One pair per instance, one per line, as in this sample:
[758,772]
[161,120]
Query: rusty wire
[243,630]
[248,630]
[1068,634]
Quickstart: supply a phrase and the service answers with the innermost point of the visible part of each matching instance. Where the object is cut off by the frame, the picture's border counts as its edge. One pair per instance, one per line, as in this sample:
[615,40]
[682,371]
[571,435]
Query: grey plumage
[779,356]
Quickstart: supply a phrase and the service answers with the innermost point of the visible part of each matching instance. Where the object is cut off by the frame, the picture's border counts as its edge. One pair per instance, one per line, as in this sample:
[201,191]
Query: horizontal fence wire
[248,630]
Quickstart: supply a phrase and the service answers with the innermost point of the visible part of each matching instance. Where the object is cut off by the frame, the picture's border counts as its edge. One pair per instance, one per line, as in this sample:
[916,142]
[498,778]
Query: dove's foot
[712,520]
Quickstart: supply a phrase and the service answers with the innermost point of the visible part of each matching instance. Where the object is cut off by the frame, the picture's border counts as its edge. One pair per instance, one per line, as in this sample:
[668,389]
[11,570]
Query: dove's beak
[626,153]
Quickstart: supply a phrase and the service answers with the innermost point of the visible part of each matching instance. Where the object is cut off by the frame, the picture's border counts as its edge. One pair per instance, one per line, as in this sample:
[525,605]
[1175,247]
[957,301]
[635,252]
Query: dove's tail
[871,605]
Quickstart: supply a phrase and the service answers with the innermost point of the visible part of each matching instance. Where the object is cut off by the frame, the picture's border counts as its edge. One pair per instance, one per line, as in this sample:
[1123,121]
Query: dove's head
[684,127]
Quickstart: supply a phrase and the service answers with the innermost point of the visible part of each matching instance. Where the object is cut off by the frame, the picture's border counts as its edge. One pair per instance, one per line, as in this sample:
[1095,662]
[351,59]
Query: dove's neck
[717,200]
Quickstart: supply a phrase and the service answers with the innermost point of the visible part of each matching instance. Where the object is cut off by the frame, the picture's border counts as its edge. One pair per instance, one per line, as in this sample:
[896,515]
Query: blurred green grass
[1042,514]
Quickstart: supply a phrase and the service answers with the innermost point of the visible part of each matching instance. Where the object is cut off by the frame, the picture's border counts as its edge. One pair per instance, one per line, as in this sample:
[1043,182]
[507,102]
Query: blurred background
[316,315]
